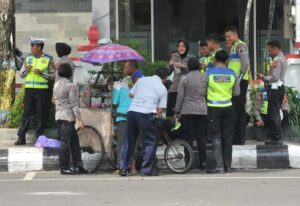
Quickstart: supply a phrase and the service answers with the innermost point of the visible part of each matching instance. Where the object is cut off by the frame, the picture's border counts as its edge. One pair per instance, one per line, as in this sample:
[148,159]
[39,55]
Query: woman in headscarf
[63,50]
[178,64]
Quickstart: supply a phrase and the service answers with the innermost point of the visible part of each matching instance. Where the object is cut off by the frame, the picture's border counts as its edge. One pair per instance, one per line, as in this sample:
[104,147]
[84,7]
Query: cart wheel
[92,148]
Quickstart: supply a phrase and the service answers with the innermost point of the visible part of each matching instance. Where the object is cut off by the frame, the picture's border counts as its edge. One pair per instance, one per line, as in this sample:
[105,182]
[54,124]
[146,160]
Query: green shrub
[294,103]
[147,67]
[16,112]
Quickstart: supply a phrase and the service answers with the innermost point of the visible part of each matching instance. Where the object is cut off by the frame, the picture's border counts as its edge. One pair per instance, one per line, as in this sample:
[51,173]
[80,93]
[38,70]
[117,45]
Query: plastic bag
[44,142]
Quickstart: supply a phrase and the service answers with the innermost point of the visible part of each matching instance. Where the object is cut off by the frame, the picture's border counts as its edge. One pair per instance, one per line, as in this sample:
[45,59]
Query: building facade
[156,24]
[55,20]
[193,20]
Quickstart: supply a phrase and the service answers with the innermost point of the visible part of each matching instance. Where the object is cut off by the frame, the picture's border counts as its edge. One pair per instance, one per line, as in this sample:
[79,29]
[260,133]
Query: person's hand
[37,71]
[202,65]
[260,123]
[54,99]
[29,67]
[171,62]
[81,125]
[179,65]
[56,66]
[260,76]
[176,116]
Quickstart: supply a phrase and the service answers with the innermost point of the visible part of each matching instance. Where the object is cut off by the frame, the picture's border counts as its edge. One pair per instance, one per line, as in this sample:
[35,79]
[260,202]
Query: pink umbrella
[111,53]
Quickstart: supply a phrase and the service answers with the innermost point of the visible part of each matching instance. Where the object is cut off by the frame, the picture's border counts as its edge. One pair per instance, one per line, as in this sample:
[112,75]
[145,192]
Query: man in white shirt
[149,100]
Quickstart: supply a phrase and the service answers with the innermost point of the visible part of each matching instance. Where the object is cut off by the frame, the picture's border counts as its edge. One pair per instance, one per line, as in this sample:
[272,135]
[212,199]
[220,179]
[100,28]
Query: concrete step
[8,135]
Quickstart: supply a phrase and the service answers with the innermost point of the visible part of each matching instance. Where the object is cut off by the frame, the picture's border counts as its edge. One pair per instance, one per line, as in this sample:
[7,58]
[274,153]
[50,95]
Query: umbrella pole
[98,76]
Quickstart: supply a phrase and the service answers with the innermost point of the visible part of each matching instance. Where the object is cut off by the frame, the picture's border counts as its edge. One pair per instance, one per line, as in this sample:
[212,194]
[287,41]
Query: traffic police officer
[213,44]
[221,84]
[275,81]
[205,52]
[37,70]
[239,63]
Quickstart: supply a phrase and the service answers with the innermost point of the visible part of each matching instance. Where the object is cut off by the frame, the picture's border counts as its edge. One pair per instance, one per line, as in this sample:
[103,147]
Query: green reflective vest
[235,61]
[264,106]
[204,60]
[220,84]
[35,81]
[269,64]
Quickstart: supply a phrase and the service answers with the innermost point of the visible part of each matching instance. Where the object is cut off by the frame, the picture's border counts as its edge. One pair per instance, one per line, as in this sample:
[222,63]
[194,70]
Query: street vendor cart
[97,138]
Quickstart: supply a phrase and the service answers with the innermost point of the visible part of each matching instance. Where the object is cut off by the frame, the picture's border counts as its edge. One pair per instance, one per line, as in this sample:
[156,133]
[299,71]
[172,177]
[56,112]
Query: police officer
[205,53]
[239,63]
[213,44]
[37,70]
[221,84]
[260,109]
[275,81]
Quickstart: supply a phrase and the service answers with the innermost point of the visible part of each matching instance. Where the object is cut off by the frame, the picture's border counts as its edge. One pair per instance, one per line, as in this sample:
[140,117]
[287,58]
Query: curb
[26,159]
[261,157]
[10,135]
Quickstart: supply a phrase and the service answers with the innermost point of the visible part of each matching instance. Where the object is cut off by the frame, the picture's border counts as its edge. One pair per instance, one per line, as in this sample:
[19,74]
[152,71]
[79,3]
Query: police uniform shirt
[277,70]
[242,50]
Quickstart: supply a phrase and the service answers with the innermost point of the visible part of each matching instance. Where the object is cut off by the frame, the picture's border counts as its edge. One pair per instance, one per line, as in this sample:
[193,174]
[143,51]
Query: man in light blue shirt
[149,100]
[122,100]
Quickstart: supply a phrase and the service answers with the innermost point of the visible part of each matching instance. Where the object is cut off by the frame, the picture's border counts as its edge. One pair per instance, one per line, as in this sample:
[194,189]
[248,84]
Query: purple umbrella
[111,53]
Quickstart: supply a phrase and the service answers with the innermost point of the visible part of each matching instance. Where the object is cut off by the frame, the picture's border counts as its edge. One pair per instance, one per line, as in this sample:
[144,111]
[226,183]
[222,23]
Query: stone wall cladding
[56,20]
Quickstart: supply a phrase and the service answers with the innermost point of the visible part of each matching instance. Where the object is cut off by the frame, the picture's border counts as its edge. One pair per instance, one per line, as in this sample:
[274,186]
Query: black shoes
[123,172]
[67,171]
[79,170]
[216,171]
[155,172]
[20,141]
[272,142]
[73,171]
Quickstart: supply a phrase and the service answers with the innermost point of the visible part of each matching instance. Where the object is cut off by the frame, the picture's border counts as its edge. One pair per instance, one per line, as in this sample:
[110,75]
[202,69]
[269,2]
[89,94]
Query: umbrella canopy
[111,53]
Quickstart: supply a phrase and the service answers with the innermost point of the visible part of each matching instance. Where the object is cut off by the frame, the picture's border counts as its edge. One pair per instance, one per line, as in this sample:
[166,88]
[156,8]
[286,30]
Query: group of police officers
[240,64]
[225,110]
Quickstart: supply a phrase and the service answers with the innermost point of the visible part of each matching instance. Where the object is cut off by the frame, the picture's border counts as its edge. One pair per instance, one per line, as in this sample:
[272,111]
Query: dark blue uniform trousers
[144,126]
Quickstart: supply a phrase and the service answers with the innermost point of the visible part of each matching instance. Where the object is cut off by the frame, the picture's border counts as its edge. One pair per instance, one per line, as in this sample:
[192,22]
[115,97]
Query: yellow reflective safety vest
[269,64]
[235,61]
[35,81]
[220,84]
[264,106]
[204,60]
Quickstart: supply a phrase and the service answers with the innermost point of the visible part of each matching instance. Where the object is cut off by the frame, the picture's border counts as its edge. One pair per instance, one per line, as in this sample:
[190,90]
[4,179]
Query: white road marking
[29,176]
[63,193]
[162,178]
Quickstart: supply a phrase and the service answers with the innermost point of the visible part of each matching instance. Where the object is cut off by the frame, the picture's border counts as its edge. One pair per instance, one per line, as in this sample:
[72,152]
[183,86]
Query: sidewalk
[254,155]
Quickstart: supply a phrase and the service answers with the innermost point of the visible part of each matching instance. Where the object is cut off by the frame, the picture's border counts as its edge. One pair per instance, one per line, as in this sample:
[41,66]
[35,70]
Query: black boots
[20,141]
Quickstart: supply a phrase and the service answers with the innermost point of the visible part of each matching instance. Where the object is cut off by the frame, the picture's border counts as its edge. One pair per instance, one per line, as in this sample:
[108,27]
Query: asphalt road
[253,188]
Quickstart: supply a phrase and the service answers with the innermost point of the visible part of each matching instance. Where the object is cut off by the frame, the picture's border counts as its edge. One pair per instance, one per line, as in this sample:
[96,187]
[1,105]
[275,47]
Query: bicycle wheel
[179,156]
[92,148]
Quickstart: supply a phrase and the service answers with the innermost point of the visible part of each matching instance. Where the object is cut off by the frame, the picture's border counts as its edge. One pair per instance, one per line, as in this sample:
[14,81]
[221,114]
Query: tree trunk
[247,21]
[268,37]
[7,73]
[7,11]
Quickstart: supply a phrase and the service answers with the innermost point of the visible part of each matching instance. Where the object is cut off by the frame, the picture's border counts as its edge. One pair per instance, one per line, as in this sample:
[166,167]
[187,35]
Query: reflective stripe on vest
[264,106]
[235,61]
[35,81]
[220,84]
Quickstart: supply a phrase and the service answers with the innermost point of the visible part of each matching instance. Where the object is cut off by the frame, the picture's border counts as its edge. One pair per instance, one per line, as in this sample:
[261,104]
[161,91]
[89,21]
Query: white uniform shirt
[149,94]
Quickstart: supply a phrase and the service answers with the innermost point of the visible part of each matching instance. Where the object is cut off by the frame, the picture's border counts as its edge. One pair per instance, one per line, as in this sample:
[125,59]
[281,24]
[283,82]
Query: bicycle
[178,154]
